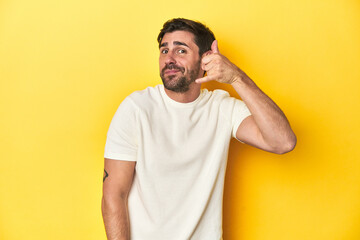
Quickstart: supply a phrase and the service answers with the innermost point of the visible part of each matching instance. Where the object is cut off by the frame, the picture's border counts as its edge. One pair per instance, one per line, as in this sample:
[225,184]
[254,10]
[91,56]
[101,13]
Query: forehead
[180,36]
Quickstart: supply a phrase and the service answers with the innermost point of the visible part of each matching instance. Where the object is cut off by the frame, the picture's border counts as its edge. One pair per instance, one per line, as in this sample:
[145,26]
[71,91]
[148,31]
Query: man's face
[179,61]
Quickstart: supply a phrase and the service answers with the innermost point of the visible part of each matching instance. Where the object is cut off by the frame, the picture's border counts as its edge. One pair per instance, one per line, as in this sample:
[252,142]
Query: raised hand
[218,67]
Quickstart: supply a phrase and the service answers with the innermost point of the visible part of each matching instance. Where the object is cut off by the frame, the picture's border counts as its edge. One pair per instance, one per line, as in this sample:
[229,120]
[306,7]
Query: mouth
[171,71]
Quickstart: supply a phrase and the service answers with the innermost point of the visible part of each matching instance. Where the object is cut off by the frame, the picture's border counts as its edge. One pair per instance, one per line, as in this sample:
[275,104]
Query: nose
[170,59]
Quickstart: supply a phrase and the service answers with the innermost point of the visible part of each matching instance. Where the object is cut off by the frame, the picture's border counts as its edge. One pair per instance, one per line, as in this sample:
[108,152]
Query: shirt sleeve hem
[238,125]
[117,156]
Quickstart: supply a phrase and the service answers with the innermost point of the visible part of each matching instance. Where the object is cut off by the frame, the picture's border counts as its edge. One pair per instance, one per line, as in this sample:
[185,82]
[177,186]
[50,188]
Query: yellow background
[65,66]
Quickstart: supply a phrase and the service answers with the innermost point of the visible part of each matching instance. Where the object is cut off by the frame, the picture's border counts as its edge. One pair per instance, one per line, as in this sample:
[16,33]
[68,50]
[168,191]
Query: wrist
[238,78]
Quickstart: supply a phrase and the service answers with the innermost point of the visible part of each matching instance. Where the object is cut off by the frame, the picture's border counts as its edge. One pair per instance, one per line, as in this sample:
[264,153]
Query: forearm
[116,218]
[268,128]
[271,121]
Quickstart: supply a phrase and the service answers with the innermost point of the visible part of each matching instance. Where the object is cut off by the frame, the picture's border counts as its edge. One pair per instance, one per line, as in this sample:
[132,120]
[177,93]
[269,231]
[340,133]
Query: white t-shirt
[181,151]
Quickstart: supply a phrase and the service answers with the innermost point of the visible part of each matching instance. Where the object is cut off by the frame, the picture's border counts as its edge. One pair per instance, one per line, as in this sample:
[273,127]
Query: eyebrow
[165,44]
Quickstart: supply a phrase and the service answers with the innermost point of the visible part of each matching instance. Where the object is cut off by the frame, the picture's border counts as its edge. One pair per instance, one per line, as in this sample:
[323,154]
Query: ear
[206,53]
[214,47]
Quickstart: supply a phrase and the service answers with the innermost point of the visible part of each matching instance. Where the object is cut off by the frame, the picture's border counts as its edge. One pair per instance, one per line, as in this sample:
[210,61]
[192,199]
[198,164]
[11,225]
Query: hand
[218,67]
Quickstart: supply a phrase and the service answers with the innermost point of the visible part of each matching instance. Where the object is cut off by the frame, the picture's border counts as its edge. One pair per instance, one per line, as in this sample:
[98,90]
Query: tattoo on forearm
[105,175]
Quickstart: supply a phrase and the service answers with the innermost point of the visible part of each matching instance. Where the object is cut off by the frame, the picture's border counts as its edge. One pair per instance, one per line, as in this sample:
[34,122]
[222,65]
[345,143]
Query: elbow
[111,203]
[106,205]
[287,145]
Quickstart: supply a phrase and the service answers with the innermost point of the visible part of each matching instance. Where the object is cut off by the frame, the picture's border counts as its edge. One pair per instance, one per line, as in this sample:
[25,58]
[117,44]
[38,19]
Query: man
[167,146]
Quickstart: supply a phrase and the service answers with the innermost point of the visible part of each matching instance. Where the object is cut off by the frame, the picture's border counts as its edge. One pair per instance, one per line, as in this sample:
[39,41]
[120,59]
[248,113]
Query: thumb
[214,47]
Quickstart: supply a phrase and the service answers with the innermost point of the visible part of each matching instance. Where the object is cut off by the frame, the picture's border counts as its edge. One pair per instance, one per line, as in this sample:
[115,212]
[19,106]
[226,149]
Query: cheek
[161,64]
[196,65]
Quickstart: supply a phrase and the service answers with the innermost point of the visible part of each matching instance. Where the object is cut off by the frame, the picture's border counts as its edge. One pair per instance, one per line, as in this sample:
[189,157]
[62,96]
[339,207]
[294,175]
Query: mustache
[172,67]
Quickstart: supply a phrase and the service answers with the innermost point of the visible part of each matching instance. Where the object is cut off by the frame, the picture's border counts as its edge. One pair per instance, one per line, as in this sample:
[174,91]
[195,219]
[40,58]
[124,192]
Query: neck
[191,95]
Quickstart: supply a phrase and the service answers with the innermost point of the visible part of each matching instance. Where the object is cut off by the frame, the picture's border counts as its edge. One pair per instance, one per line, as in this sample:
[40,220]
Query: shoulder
[217,95]
[144,98]
[146,94]
[222,99]
[136,102]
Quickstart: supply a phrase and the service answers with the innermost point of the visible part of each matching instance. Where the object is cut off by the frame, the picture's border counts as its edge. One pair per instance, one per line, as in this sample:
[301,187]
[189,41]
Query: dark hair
[203,35]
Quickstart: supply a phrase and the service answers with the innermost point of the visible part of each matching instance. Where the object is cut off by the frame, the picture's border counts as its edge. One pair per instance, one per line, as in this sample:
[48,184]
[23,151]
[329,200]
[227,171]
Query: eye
[164,51]
[181,51]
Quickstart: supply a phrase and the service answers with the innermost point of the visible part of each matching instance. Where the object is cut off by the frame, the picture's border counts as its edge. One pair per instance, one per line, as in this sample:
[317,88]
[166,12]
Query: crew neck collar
[179,104]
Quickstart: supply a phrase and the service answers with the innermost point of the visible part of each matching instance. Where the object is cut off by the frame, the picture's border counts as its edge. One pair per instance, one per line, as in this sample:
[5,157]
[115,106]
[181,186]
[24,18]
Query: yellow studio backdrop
[65,66]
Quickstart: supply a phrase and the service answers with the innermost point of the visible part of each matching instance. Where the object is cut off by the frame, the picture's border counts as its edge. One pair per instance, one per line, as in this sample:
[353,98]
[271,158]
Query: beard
[179,84]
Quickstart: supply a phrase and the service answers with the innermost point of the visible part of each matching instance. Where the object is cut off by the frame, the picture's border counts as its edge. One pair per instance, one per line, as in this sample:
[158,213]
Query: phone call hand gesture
[218,67]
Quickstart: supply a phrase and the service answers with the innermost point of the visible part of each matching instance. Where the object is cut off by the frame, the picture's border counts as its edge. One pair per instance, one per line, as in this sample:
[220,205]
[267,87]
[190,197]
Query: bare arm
[118,178]
[267,128]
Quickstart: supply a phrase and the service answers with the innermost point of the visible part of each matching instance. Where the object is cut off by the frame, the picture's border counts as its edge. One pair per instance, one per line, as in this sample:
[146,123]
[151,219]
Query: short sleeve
[121,141]
[240,112]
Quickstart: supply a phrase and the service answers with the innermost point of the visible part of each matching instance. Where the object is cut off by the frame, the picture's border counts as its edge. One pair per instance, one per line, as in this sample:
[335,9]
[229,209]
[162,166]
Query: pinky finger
[204,79]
